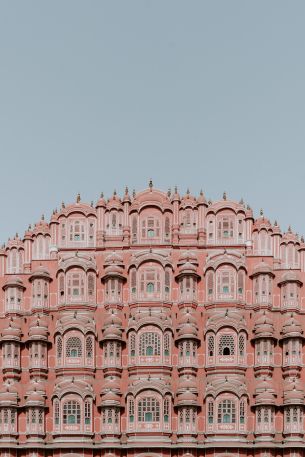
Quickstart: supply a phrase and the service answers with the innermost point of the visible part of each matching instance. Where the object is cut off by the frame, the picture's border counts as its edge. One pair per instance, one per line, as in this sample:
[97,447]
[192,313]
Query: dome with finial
[188,200]
[263,327]
[293,392]
[112,318]
[292,328]
[201,199]
[262,223]
[186,398]
[262,268]
[264,393]
[290,237]
[101,201]
[175,195]
[38,329]
[12,332]
[41,272]
[114,202]
[14,281]
[290,276]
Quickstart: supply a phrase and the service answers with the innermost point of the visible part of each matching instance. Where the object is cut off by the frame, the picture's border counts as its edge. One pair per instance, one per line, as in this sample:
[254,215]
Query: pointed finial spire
[16,235]
[30,227]
[209,202]
[102,195]
[63,205]
[248,207]
[241,201]
[169,192]
[134,193]
[78,198]
[188,191]
[224,197]
[92,203]
[289,229]
[150,184]
[42,217]
[275,223]
[114,192]
[201,192]
[126,190]
[176,189]
[261,212]
[302,239]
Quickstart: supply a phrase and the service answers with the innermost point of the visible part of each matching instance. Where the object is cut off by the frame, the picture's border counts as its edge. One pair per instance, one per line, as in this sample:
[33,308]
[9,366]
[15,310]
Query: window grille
[131,410]
[150,344]
[149,410]
[210,412]
[226,345]
[132,345]
[59,347]
[166,343]
[56,412]
[71,412]
[87,412]
[89,347]
[226,412]
[211,345]
[73,347]
[241,345]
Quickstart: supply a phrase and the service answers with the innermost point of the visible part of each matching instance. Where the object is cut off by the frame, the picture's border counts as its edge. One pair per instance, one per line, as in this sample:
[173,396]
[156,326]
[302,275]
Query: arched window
[89,347]
[150,228]
[226,345]
[211,345]
[59,347]
[210,411]
[166,228]
[56,412]
[134,228]
[131,410]
[150,282]
[150,344]
[76,285]
[73,347]
[226,277]
[241,345]
[167,344]
[226,412]
[132,344]
[148,410]
[77,230]
[133,281]
[91,287]
[71,412]
[225,229]
[87,412]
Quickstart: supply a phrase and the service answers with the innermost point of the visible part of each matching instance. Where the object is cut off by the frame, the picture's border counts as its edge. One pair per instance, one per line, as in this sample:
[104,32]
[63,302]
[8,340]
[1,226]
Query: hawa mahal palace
[150,325]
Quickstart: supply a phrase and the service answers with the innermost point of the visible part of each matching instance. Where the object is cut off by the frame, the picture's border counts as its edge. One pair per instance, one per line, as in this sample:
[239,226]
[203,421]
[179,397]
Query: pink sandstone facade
[152,325]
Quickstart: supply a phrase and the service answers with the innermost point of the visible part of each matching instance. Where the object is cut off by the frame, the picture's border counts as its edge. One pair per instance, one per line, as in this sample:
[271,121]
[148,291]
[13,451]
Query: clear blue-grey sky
[96,95]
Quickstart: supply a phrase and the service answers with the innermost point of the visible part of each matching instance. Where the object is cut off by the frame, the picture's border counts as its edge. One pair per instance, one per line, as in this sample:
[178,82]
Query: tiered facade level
[152,325]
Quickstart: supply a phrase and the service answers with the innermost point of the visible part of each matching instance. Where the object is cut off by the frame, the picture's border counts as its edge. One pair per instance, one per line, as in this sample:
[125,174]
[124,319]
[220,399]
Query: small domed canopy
[110,398]
[292,328]
[293,393]
[188,200]
[262,268]
[263,327]
[111,383]
[112,318]
[9,395]
[101,203]
[112,332]
[82,208]
[187,382]
[186,398]
[34,398]
[290,276]
[40,272]
[262,223]
[12,332]
[114,202]
[84,261]
[14,282]
[38,330]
